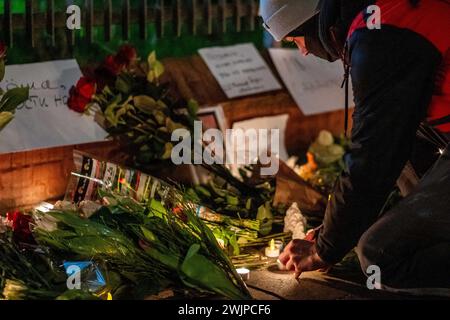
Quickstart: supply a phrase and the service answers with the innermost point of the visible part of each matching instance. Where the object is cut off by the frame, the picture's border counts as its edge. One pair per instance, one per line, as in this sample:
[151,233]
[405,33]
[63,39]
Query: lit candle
[272,251]
[279,244]
[244,273]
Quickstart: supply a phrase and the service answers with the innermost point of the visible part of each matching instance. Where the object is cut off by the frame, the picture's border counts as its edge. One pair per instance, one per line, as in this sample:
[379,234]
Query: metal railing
[212,16]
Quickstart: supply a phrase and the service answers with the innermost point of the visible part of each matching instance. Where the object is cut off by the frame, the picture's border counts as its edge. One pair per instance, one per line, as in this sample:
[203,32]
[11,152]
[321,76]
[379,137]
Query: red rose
[112,66]
[126,55]
[86,87]
[2,51]
[81,95]
[106,74]
[21,226]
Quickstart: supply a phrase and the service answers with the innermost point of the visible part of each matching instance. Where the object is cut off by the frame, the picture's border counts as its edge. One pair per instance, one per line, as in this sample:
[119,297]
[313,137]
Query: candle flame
[272,244]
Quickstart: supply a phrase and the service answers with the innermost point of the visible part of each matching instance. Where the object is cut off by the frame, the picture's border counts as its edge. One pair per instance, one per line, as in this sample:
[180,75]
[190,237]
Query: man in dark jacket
[401,80]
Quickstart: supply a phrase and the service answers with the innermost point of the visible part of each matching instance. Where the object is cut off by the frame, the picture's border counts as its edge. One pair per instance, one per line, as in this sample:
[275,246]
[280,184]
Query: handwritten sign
[279,122]
[240,70]
[314,84]
[44,121]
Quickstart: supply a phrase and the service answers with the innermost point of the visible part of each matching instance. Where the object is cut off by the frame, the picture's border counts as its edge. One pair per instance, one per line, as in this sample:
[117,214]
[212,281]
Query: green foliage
[148,245]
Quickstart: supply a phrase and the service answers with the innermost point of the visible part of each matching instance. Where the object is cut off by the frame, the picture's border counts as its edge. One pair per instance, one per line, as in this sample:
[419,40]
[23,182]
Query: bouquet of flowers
[132,104]
[149,247]
[25,271]
[325,161]
[138,110]
[10,99]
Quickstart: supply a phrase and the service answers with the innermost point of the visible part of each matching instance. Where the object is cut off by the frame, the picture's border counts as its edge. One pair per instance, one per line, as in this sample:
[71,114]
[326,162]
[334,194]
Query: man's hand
[301,256]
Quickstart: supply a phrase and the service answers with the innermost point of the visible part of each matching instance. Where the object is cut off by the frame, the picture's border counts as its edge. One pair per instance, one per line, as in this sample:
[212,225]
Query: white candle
[272,251]
[244,273]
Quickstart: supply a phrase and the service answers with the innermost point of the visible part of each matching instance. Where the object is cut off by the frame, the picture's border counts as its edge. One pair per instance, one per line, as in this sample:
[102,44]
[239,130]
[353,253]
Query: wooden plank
[161,20]
[252,14]
[209,16]
[238,15]
[8,24]
[108,20]
[178,18]
[29,18]
[194,17]
[126,20]
[51,21]
[27,178]
[143,20]
[90,21]
[223,15]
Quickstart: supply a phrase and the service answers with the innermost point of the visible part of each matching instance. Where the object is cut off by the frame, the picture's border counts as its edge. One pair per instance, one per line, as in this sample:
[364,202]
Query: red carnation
[81,95]
[126,55]
[21,226]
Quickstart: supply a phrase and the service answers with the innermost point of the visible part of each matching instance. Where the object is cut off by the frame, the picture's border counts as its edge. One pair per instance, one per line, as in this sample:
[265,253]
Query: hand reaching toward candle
[301,256]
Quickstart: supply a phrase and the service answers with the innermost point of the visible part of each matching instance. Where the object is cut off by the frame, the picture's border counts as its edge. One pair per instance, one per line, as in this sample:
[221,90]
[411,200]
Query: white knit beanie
[281,17]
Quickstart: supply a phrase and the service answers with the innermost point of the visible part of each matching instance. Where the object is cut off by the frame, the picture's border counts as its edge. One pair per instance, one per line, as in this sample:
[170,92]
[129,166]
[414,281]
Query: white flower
[295,222]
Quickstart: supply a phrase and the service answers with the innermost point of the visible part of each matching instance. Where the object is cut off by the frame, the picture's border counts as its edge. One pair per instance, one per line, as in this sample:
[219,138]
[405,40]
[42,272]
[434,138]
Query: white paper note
[45,121]
[240,70]
[277,122]
[314,84]
[269,123]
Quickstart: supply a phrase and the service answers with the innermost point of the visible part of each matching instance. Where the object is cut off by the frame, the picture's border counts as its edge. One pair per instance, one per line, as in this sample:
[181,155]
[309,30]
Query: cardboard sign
[240,70]
[277,122]
[45,121]
[315,84]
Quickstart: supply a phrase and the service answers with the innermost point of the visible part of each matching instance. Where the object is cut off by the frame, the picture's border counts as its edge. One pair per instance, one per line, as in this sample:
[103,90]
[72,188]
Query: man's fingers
[298,270]
[290,265]
[284,257]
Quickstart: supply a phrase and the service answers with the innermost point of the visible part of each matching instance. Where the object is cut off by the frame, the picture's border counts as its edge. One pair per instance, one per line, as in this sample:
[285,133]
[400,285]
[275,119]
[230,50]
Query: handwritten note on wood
[45,121]
[240,70]
[314,84]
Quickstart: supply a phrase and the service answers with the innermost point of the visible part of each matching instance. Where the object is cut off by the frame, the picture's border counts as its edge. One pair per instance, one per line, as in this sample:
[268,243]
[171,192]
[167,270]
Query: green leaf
[148,235]
[202,191]
[110,111]
[157,208]
[160,117]
[145,104]
[232,200]
[5,118]
[2,69]
[200,272]
[167,151]
[151,58]
[77,295]
[266,217]
[13,98]
[193,108]
[172,126]
[168,260]
[124,83]
[158,69]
